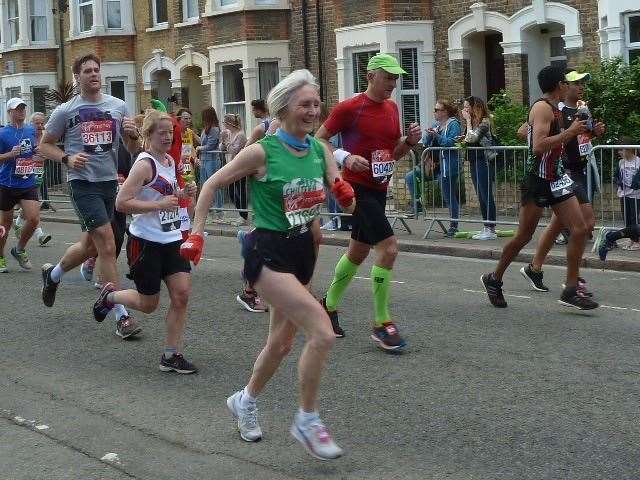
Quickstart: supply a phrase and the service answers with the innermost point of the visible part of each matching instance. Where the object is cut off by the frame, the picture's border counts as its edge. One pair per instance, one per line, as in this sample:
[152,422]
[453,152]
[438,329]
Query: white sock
[38,232]
[303,417]
[19,221]
[119,311]
[57,273]
[246,399]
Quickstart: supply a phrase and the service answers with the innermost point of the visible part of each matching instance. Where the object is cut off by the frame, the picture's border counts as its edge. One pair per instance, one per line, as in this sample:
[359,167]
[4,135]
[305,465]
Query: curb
[434,249]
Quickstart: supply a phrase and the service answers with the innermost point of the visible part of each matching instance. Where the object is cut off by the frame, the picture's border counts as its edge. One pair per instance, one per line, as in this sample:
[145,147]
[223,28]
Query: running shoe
[3,265]
[582,287]
[316,439]
[22,258]
[49,287]
[102,306]
[451,233]
[87,267]
[604,245]
[252,302]
[534,278]
[486,234]
[44,239]
[387,337]
[333,316]
[177,363]
[17,229]
[562,238]
[247,418]
[493,288]
[127,327]
[572,297]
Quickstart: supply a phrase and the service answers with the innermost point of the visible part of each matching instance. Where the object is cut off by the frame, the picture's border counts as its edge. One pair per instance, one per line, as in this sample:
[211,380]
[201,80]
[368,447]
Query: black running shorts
[151,262]
[93,202]
[580,188]
[280,252]
[370,224]
[10,197]
[538,190]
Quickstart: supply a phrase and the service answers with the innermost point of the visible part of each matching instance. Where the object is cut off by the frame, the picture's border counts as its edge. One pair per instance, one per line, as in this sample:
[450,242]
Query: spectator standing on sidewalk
[477,128]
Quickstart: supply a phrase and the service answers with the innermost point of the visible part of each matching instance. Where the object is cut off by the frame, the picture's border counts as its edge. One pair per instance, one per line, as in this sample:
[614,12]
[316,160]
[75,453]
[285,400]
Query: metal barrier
[463,185]
[615,202]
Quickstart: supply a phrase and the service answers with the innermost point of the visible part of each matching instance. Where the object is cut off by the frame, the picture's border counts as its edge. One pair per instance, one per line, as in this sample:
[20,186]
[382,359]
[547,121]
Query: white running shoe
[316,439]
[485,234]
[247,418]
[87,267]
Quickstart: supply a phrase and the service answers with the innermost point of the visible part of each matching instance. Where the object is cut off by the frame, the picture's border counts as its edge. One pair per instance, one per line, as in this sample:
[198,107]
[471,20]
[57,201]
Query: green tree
[507,116]
[613,96]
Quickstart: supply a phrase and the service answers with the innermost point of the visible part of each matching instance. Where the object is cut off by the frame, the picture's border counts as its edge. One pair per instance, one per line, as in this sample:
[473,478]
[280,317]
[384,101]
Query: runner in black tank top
[575,162]
[546,185]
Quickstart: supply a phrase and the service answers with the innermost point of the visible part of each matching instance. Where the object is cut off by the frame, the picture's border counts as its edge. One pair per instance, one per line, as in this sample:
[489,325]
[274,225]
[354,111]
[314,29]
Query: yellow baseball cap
[574,76]
[386,62]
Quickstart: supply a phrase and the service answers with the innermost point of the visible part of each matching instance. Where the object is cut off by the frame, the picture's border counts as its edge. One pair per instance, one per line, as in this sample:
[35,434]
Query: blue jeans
[450,194]
[207,168]
[483,177]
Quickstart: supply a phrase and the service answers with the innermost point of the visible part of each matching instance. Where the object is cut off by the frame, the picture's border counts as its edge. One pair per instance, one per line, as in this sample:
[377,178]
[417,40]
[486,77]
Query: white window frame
[185,11]
[219,7]
[16,22]
[267,60]
[110,80]
[46,23]
[557,58]
[106,15]
[239,102]
[33,87]
[80,4]
[630,46]
[9,92]
[352,52]
[401,92]
[155,14]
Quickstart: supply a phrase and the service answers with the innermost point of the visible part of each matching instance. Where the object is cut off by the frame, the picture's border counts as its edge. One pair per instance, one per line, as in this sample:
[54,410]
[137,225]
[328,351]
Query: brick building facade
[226,53]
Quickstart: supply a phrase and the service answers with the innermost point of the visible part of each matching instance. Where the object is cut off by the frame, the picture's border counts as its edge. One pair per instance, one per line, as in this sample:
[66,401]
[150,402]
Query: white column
[428,98]
[250,81]
[73,20]
[51,28]
[24,34]
[98,16]
[342,86]
[213,89]
[3,27]
[27,96]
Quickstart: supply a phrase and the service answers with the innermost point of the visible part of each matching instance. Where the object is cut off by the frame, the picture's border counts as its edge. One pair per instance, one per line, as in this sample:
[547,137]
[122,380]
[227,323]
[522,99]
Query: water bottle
[585,115]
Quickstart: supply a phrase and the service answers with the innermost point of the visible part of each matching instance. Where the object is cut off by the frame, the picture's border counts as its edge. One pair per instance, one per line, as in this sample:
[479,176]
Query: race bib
[561,187]
[187,168]
[38,166]
[584,145]
[382,165]
[169,219]
[97,134]
[302,198]
[24,167]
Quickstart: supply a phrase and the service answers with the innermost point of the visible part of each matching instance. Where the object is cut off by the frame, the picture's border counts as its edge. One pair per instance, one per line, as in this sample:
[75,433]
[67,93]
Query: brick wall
[446,13]
[31,61]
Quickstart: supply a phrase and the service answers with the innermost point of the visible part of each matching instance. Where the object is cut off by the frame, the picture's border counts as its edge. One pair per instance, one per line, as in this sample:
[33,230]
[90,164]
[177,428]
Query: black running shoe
[102,306]
[49,287]
[534,278]
[333,316]
[493,288]
[573,297]
[177,363]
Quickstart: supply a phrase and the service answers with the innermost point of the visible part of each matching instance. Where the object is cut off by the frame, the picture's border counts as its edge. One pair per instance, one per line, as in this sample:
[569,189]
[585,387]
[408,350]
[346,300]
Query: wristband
[340,156]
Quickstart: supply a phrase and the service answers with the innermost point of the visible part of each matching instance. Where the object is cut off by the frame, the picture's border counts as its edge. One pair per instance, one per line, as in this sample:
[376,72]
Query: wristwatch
[65,159]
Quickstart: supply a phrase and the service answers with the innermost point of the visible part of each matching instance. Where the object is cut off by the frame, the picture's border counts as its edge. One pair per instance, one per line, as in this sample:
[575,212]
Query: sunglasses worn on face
[438,109]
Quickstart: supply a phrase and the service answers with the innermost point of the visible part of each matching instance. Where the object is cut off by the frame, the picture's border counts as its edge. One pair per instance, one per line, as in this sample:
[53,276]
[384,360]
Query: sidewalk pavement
[436,243]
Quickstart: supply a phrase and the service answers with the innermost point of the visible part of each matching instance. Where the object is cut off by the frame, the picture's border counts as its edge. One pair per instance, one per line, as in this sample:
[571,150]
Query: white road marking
[369,278]
[610,307]
[506,294]
[42,427]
